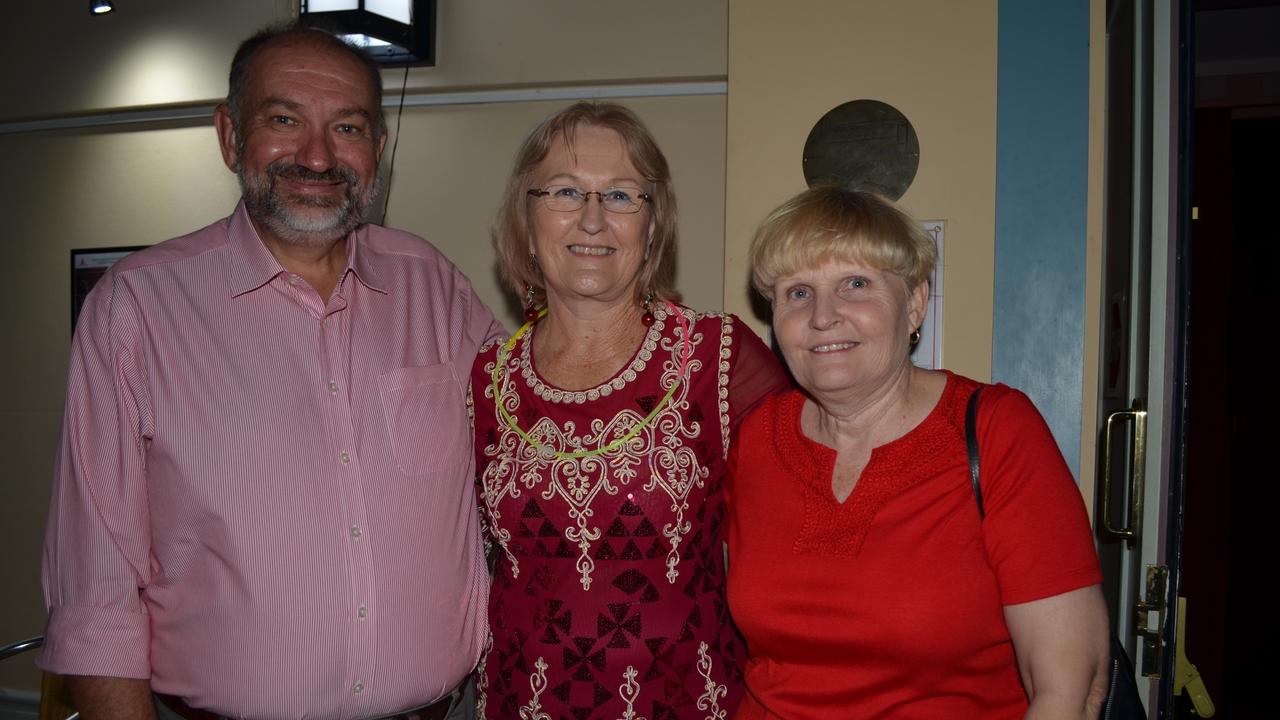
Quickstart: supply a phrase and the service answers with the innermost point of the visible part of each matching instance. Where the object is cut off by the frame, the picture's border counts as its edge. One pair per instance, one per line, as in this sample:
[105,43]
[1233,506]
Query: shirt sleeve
[481,326]
[730,471]
[97,542]
[1036,530]
[754,373]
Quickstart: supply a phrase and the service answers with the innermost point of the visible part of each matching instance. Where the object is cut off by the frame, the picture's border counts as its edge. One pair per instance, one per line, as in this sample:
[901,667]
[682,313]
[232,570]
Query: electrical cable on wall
[391,162]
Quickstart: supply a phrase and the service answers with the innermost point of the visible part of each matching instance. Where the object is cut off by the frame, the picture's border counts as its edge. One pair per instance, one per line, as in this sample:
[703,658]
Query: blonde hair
[826,223]
[511,232]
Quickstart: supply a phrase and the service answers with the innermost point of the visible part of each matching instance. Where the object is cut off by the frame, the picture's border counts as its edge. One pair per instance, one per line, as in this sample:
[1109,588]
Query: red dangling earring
[530,310]
[647,318]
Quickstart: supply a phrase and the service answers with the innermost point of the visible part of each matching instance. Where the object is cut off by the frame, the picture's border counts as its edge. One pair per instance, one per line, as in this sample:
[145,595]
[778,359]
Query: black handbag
[1123,701]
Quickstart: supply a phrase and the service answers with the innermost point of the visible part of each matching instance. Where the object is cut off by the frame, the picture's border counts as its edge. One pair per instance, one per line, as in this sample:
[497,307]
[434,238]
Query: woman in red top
[861,573]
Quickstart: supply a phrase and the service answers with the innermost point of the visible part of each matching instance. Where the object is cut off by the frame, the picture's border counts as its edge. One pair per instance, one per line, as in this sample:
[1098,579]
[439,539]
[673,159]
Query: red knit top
[891,604]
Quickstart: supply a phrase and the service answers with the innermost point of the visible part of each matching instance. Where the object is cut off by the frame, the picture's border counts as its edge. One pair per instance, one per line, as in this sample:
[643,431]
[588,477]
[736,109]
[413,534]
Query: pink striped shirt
[263,502]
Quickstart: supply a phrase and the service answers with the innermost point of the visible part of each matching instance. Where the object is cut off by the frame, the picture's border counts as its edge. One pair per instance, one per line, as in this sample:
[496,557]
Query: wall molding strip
[204,110]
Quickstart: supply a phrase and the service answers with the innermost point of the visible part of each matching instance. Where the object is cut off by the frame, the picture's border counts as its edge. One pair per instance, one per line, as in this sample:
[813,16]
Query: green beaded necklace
[505,351]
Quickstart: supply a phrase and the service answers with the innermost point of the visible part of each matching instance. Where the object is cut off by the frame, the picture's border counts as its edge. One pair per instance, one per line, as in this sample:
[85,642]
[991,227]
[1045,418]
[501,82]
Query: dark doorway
[1233,391]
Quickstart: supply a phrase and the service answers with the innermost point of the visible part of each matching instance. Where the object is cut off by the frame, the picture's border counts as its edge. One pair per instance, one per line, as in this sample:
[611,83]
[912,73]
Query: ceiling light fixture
[392,32]
[101,7]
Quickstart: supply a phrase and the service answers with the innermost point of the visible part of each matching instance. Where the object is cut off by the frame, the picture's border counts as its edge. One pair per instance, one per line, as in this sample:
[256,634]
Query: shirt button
[357,688]
[344,457]
[333,387]
[355,531]
[294,279]
[363,612]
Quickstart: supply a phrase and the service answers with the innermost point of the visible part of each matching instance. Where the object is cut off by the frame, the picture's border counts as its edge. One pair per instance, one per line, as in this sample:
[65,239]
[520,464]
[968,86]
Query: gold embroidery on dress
[471,409]
[628,374]
[537,682]
[663,447]
[709,700]
[629,691]
[722,380]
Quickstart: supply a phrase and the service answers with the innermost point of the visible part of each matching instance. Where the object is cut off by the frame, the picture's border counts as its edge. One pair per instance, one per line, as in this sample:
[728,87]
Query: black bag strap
[971,442]
[1123,701]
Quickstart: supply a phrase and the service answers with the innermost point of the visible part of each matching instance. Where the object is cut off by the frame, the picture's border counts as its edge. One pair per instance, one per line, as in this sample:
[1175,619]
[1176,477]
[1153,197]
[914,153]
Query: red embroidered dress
[608,590]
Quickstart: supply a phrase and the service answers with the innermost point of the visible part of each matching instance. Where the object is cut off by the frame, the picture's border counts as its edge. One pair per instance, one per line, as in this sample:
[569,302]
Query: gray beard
[263,202]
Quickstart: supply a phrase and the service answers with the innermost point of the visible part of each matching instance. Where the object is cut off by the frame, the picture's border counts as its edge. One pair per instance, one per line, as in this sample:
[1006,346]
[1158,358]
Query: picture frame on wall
[87,267]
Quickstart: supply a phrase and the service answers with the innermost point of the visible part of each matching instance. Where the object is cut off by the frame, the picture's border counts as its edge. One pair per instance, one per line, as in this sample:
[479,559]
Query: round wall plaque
[863,144]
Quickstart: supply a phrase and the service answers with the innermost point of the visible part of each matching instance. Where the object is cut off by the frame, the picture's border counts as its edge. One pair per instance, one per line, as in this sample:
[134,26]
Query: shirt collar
[253,265]
[363,262]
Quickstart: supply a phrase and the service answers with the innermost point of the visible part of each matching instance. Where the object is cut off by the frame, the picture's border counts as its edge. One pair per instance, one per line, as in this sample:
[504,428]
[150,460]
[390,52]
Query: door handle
[1132,528]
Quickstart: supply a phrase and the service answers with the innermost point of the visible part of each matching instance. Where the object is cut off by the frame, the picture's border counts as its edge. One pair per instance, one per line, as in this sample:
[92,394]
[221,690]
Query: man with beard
[263,502]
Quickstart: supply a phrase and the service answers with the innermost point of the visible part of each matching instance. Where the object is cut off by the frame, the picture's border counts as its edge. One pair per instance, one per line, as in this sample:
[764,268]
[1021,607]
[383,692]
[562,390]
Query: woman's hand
[1063,650]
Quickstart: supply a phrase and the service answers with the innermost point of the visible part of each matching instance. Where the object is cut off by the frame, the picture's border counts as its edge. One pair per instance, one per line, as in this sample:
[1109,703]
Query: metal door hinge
[1148,613]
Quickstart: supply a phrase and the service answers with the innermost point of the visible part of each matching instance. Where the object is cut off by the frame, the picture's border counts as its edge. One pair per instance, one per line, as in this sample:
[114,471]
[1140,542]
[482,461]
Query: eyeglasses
[567,198]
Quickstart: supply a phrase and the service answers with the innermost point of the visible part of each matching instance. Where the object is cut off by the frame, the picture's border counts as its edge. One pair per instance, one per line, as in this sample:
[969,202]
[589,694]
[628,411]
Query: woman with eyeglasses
[602,428]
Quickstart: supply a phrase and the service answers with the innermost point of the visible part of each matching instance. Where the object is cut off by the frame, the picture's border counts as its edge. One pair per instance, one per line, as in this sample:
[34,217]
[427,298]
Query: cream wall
[935,61]
[139,184]
[65,60]
[177,51]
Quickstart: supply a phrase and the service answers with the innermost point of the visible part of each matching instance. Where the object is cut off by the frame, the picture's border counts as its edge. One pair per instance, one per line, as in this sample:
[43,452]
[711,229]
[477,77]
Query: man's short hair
[293,31]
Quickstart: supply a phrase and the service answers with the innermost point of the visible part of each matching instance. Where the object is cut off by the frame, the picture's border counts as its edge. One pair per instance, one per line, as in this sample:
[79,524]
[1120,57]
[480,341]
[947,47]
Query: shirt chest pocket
[426,418]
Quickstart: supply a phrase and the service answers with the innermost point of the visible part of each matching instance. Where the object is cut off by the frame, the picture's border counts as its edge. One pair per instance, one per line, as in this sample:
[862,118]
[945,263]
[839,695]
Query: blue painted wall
[1042,116]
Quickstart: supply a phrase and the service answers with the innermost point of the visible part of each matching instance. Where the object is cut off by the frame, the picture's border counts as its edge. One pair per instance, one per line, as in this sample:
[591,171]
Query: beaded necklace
[546,452]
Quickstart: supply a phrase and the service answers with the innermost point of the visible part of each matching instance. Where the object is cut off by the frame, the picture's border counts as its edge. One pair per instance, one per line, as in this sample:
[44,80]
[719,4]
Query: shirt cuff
[106,642]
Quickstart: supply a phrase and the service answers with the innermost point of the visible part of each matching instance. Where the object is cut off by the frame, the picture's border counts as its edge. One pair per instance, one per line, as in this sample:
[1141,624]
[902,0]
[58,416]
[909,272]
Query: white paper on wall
[928,353]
